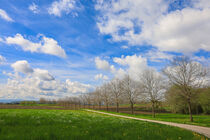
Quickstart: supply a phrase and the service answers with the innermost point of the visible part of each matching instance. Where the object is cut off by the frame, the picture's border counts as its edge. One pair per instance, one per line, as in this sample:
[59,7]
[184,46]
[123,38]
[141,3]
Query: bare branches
[187,76]
[152,86]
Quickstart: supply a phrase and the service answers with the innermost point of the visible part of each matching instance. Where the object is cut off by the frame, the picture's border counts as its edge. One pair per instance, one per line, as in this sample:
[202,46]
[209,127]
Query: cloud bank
[183,30]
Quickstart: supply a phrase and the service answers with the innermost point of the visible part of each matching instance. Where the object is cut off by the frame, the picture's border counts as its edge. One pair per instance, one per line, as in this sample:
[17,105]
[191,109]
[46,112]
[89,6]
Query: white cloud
[33,88]
[102,64]
[5,16]
[60,6]
[34,8]
[149,22]
[158,56]
[76,87]
[46,45]
[182,31]
[22,66]
[37,83]
[201,3]
[2,59]
[43,74]
[101,77]
[136,64]
[120,73]
[124,47]
[50,46]
[132,65]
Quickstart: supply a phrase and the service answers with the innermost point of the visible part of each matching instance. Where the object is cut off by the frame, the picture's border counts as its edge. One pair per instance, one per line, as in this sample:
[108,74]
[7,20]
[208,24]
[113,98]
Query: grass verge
[200,120]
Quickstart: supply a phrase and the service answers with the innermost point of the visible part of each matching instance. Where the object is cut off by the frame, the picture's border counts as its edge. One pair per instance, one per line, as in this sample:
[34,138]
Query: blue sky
[82,43]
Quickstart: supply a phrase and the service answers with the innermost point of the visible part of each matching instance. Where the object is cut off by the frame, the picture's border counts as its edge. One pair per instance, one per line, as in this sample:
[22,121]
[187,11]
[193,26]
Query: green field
[20,124]
[201,120]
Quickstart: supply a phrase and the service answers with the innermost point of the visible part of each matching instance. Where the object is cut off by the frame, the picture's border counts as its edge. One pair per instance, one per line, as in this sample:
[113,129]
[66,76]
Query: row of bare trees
[149,87]
[183,73]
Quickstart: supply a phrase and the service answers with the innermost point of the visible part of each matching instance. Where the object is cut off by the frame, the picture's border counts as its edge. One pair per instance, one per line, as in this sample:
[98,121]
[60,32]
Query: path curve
[199,129]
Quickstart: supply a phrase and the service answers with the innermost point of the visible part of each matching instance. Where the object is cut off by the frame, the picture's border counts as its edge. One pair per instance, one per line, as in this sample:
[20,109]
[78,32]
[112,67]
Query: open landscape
[53,121]
[21,124]
[104,69]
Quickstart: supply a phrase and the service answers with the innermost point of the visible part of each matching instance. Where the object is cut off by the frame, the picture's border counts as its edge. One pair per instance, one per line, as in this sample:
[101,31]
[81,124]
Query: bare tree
[105,93]
[98,97]
[186,75]
[87,98]
[152,85]
[83,100]
[116,90]
[131,91]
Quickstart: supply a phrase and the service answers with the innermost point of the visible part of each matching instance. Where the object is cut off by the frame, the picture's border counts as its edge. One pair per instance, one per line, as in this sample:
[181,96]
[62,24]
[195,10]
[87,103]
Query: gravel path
[199,129]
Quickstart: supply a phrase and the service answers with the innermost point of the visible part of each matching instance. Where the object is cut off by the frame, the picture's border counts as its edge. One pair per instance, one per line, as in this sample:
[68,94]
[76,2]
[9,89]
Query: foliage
[204,100]
[28,102]
[178,104]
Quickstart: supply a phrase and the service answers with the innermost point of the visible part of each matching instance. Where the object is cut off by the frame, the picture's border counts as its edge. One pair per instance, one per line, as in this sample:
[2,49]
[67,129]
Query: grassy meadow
[201,120]
[35,124]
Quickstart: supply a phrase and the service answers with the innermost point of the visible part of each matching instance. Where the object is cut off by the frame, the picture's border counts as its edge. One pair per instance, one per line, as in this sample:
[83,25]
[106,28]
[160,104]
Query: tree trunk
[153,109]
[117,107]
[107,107]
[132,110]
[100,106]
[190,110]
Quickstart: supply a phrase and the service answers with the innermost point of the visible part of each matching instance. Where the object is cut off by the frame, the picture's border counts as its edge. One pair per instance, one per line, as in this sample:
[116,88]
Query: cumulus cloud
[34,88]
[46,45]
[101,77]
[76,87]
[149,22]
[62,6]
[37,83]
[5,16]
[34,8]
[24,67]
[43,74]
[103,64]
[136,64]
[2,59]
[132,65]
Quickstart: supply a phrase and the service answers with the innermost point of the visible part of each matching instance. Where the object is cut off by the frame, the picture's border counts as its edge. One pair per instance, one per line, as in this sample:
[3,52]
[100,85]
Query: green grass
[201,120]
[23,124]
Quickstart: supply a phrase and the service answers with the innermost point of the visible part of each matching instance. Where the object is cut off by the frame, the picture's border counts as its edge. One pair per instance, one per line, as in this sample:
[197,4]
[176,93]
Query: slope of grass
[21,124]
[201,120]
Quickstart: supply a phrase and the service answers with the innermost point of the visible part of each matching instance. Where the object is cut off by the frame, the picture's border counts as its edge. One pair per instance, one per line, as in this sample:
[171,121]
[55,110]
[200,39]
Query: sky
[59,48]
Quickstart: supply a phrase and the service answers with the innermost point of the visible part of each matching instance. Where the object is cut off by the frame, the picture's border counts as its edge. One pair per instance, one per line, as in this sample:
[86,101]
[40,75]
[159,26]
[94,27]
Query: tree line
[182,82]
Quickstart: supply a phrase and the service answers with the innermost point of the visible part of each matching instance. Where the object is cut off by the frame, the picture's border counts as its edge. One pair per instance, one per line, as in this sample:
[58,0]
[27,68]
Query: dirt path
[199,129]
